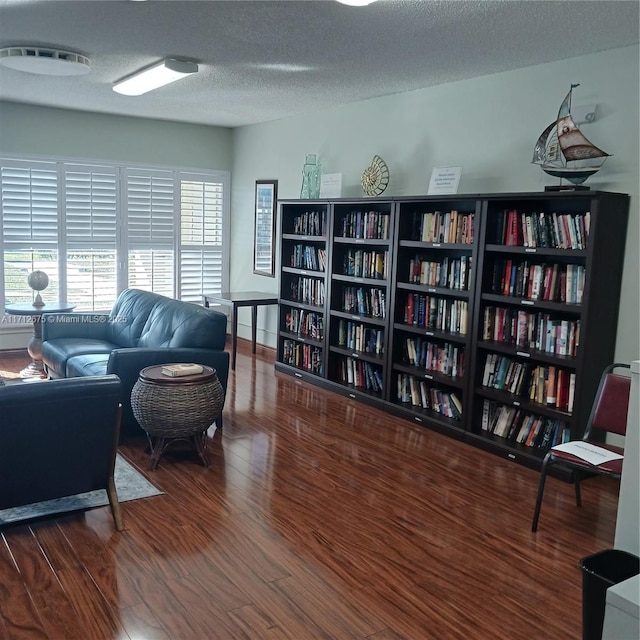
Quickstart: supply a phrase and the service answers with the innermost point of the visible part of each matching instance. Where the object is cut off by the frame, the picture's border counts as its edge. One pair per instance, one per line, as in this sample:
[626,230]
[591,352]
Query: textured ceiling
[271,59]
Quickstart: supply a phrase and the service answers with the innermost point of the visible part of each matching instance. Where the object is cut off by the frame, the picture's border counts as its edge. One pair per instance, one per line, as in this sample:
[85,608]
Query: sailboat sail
[563,151]
[573,144]
[540,153]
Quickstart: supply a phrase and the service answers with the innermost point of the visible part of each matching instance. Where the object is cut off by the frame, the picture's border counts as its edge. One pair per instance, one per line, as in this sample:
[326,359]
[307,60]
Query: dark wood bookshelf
[445,233]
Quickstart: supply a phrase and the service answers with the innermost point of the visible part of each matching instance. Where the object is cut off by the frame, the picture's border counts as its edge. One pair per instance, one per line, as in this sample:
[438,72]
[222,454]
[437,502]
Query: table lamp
[38,281]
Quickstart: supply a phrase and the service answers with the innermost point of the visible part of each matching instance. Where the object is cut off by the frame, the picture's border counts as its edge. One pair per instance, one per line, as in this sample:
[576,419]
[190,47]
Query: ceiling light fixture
[44,61]
[357,3]
[155,76]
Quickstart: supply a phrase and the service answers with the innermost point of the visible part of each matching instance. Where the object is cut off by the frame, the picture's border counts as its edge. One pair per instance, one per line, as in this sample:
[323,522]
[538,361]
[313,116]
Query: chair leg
[115,505]
[576,483]
[543,477]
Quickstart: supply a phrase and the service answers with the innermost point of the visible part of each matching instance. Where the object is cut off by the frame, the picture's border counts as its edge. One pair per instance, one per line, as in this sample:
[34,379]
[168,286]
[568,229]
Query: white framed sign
[331,185]
[444,180]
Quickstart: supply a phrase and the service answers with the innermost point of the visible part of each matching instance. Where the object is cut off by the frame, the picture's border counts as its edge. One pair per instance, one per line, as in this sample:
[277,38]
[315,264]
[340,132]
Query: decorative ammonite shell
[375,177]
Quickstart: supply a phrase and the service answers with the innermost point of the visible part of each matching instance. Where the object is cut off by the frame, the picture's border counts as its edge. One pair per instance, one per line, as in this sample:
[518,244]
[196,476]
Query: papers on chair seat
[591,453]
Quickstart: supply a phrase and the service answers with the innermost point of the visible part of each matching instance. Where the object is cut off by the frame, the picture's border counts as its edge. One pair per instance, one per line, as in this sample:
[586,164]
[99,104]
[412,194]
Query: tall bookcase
[548,293]
[436,251]
[487,317]
[361,236]
[304,252]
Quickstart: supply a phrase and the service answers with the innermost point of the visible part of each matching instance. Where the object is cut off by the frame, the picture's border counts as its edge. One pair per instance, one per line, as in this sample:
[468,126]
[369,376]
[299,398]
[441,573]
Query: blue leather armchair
[142,329]
[59,438]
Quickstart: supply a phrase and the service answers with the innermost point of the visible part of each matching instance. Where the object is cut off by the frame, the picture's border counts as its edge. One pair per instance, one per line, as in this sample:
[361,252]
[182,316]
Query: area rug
[130,485]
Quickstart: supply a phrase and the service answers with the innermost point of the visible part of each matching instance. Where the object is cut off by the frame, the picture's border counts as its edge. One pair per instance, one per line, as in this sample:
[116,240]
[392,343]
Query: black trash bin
[599,572]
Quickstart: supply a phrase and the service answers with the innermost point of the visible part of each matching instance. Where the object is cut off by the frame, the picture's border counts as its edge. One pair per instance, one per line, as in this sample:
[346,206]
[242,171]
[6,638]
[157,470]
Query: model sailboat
[563,151]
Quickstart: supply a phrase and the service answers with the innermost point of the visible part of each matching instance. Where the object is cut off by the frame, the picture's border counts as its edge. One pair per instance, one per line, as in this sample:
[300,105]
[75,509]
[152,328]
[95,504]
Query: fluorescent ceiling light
[155,76]
[357,3]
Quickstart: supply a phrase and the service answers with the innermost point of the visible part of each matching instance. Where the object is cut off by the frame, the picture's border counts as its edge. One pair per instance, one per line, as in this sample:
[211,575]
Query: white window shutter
[90,223]
[202,208]
[151,229]
[29,192]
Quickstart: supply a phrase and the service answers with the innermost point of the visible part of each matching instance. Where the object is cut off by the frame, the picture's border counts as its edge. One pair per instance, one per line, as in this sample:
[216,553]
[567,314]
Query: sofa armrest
[132,361]
[74,325]
[127,364]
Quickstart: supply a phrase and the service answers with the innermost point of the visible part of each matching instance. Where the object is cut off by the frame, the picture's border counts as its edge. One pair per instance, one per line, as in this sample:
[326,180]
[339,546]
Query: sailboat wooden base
[567,187]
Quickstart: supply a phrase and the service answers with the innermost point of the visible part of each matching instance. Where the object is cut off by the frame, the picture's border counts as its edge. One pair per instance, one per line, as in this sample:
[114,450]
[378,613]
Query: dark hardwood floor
[319,519]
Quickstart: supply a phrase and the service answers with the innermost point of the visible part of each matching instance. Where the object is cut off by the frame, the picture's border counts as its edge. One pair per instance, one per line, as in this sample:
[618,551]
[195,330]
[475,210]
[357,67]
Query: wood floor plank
[19,614]
[140,622]
[256,624]
[92,612]
[319,518]
[49,598]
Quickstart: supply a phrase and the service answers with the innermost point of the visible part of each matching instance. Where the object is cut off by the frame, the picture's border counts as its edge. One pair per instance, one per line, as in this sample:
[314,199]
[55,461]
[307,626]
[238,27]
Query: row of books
[366,301]
[531,330]
[304,323]
[368,225]
[549,385]
[311,223]
[442,357]
[360,337]
[523,427]
[550,282]
[366,264]
[421,394]
[308,257]
[360,374]
[308,291]
[450,227]
[432,312]
[554,230]
[451,273]
[302,356]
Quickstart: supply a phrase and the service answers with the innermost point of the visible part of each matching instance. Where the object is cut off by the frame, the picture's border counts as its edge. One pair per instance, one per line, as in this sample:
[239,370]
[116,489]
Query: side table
[237,299]
[36,368]
[181,408]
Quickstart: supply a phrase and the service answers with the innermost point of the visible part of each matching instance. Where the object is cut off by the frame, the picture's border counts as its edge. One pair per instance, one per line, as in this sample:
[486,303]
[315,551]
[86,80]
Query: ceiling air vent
[44,61]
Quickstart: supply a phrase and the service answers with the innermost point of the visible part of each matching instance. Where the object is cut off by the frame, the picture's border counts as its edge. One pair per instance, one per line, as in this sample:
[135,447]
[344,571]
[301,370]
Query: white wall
[488,125]
[627,522]
[32,130]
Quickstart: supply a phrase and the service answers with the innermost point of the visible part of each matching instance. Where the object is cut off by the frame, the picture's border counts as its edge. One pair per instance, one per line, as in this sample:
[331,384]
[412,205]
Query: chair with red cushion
[608,416]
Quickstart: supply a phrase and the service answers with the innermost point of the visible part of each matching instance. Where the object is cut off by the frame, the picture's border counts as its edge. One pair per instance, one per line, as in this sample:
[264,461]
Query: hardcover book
[178,370]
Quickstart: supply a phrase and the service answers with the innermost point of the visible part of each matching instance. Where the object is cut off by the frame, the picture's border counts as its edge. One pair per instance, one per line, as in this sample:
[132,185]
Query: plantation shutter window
[96,228]
[202,226]
[90,217]
[29,231]
[150,207]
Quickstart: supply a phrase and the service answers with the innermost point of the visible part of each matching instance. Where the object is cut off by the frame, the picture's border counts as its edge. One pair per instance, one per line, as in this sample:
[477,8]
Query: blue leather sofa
[58,438]
[142,329]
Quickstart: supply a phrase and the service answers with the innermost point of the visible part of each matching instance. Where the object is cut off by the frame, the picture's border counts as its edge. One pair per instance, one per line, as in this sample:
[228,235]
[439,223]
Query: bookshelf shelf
[422,293]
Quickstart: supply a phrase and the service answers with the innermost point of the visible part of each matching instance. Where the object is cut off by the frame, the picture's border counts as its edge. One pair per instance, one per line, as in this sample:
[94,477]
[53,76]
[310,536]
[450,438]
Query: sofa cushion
[91,364]
[129,316]
[58,352]
[173,323]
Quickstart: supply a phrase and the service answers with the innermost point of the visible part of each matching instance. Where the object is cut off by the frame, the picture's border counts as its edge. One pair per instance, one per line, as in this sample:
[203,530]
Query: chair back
[609,412]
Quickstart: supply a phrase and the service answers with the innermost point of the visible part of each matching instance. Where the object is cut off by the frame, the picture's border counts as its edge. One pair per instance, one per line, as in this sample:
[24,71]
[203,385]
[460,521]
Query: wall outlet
[584,113]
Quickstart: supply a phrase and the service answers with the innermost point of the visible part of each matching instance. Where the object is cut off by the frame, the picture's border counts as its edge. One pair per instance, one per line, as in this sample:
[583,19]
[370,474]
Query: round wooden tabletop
[28,309]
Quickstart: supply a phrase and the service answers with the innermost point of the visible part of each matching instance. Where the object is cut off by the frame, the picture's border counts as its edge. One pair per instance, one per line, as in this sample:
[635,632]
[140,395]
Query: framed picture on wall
[264,237]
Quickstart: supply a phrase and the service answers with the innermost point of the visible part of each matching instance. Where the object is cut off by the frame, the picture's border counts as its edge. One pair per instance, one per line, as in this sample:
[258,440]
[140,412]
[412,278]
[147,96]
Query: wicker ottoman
[181,408]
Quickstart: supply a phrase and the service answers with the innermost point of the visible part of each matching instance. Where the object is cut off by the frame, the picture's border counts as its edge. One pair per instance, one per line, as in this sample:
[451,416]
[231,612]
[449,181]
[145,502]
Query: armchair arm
[74,325]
